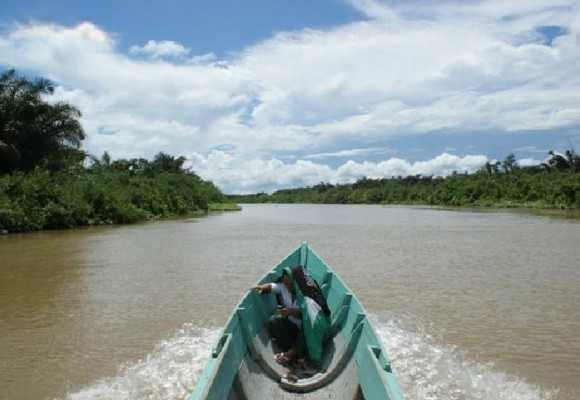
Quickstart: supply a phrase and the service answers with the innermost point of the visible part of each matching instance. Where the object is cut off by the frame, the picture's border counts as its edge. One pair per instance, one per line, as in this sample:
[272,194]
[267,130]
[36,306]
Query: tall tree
[557,161]
[32,130]
[167,163]
[510,163]
[573,160]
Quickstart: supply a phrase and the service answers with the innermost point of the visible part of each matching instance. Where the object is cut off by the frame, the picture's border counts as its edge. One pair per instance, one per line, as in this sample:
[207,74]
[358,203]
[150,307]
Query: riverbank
[224,207]
[529,188]
[44,200]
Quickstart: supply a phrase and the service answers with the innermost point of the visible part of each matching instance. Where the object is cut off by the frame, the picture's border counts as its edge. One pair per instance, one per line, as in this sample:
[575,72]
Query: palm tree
[573,160]
[557,161]
[33,131]
[510,163]
[167,163]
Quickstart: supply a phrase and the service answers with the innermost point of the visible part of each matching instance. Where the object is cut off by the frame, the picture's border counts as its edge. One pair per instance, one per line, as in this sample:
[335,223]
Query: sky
[260,95]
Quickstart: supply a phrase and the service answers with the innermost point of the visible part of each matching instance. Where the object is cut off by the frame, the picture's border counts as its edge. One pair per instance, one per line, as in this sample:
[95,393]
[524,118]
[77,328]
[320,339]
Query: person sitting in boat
[302,322]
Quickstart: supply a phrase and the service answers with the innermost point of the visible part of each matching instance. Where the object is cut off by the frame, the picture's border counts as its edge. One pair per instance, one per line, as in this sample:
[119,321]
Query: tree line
[553,184]
[48,182]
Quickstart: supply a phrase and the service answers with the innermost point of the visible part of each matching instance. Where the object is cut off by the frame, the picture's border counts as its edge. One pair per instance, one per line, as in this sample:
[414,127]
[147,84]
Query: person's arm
[265,288]
[291,311]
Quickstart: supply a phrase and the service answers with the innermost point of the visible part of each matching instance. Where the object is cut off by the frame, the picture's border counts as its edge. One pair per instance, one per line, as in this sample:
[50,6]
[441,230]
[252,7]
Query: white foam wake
[169,372]
[427,370]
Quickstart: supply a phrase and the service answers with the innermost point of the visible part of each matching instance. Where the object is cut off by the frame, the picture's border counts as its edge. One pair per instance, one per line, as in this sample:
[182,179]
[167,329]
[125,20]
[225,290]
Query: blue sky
[262,94]
[219,26]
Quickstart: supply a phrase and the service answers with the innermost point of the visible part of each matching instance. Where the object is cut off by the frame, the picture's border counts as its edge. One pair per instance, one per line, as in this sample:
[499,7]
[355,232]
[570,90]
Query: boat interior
[354,364]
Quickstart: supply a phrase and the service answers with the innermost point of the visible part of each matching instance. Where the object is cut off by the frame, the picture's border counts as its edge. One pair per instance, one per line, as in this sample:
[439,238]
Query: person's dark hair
[309,287]
[284,272]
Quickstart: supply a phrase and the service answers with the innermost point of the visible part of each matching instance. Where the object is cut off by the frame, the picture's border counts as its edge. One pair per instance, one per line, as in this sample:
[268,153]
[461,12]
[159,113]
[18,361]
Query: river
[469,304]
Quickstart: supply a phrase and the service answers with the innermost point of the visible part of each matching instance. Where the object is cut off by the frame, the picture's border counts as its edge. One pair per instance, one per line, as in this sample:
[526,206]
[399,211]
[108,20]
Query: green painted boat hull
[355,366]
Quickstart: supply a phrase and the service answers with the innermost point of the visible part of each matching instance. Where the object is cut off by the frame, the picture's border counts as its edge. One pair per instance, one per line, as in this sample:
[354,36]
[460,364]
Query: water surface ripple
[472,305]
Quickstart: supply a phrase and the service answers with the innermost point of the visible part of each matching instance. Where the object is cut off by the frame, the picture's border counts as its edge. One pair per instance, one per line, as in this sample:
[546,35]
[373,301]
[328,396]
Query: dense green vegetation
[555,184]
[48,182]
[101,194]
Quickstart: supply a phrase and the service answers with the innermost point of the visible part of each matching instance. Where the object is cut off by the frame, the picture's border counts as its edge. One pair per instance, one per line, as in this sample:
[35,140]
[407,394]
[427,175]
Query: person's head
[287,281]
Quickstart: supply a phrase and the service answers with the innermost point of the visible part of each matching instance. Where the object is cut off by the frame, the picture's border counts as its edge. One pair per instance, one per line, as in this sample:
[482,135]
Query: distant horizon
[261,96]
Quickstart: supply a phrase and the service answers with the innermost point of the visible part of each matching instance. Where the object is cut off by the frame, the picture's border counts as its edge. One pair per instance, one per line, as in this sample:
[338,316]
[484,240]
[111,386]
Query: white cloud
[528,162]
[166,48]
[421,67]
[251,176]
[351,153]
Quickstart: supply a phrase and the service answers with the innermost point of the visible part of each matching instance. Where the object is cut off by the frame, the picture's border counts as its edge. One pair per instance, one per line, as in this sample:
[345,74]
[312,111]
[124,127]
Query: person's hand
[284,312]
[287,312]
[256,288]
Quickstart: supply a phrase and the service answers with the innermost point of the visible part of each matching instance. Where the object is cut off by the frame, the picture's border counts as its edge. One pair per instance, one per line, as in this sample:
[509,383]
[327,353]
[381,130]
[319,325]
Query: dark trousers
[287,334]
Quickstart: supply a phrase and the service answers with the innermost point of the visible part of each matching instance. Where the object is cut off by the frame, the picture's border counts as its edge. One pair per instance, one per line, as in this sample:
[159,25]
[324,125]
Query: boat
[355,365]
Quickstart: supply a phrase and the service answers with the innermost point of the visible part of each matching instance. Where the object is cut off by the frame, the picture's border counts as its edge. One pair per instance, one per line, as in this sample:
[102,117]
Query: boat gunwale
[377,351]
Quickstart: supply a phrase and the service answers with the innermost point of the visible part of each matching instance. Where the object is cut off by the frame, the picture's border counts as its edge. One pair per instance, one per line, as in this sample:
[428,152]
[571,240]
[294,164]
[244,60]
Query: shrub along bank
[42,199]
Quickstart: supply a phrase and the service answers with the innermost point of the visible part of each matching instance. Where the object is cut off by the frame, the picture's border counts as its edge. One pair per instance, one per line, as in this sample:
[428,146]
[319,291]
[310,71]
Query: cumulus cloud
[251,176]
[154,49]
[405,71]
